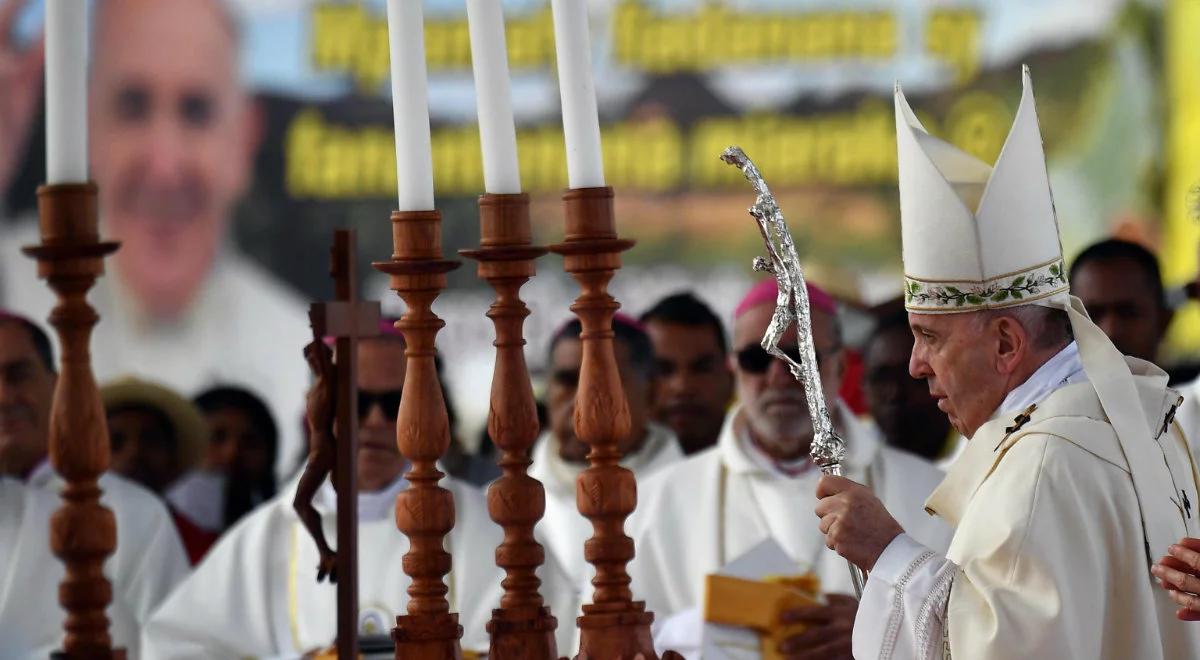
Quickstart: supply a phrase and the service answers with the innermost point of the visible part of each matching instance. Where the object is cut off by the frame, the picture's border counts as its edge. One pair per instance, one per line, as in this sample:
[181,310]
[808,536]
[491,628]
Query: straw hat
[191,430]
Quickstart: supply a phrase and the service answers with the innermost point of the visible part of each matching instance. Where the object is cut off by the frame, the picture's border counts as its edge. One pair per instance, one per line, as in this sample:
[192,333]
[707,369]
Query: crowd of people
[719,441]
[203,377]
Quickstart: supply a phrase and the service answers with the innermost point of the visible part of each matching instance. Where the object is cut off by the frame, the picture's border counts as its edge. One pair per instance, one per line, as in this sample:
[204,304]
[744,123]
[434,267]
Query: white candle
[581,125]
[493,99]
[410,106]
[66,91]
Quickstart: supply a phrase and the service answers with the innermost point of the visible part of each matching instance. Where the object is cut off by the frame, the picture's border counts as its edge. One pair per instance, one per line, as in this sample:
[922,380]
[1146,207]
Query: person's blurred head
[155,434]
[774,409]
[243,438]
[381,368]
[27,378]
[691,358]
[635,364]
[907,415]
[172,136]
[972,360]
[1121,286]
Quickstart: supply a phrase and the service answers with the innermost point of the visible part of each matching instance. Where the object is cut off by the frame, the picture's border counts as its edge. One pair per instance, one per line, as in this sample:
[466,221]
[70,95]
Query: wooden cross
[347,319]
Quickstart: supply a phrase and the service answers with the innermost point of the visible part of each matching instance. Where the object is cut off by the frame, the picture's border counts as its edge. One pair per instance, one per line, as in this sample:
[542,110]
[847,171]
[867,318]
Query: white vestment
[695,516]
[564,530]
[243,328]
[148,562]
[1049,558]
[1188,414]
[256,595]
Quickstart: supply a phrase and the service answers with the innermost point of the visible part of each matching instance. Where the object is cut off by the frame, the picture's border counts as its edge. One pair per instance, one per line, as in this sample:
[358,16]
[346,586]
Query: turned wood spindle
[522,628]
[83,533]
[613,625]
[425,510]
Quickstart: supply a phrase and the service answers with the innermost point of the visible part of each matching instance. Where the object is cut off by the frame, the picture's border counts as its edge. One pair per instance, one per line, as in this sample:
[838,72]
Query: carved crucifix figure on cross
[332,421]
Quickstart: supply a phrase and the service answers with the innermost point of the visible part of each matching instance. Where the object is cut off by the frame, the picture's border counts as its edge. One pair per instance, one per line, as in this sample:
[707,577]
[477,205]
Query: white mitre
[978,237]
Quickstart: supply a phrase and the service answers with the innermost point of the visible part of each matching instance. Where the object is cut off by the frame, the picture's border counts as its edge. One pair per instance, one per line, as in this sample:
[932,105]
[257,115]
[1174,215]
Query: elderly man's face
[26,392]
[957,358]
[172,141]
[774,407]
[381,369]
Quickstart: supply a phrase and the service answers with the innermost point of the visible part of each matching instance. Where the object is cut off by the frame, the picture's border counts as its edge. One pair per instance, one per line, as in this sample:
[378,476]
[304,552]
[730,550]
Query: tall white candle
[66,91]
[581,124]
[493,99]
[410,105]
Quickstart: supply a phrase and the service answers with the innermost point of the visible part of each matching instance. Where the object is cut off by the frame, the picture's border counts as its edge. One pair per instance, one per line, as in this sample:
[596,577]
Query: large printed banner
[804,86]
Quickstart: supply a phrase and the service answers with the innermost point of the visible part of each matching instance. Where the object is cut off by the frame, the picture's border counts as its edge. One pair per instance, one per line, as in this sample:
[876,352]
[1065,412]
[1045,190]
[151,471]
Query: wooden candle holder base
[83,533]
[425,510]
[521,629]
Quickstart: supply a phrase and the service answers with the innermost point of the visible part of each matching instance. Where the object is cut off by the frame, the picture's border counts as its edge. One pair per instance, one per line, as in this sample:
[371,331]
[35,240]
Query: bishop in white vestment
[758,482]
[1075,477]
[256,593]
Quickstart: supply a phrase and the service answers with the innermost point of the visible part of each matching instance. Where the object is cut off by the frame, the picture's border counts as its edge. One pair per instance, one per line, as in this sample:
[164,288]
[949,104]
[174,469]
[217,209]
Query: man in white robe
[1075,477]
[173,135]
[559,456]
[695,516]
[149,559]
[256,592]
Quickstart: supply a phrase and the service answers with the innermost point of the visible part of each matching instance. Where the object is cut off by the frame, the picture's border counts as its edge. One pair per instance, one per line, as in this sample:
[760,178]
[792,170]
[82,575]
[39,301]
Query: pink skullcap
[767,290]
[387,328]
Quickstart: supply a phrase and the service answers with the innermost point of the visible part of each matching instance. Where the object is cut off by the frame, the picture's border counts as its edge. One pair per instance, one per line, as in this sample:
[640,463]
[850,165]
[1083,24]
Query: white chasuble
[563,530]
[147,564]
[695,516]
[256,594]
[1049,556]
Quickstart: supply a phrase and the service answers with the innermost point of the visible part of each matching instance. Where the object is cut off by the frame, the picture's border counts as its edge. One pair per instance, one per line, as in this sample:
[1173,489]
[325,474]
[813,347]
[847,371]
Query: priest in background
[1074,479]
[692,362]
[695,516]
[256,593]
[904,411]
[149,559]
[559,455]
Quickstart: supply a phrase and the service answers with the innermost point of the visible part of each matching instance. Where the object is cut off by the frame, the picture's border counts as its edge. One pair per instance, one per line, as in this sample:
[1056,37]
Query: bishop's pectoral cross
[332,421]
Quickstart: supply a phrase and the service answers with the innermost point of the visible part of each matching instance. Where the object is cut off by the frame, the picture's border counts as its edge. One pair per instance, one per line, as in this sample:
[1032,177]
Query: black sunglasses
[755,359]
[388,400]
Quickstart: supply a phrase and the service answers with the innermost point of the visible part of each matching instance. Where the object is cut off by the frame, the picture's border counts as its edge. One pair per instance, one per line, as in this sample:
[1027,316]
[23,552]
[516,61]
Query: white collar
[42,475]
[372,506]
[560,475]
[740,456]
[1065,368]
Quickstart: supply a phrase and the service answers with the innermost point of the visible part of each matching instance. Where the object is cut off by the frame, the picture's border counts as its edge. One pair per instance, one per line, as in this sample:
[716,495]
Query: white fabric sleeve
[902,613]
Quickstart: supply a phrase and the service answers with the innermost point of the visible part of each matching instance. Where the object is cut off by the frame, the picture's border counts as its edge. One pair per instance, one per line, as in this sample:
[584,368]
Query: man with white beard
[696,515]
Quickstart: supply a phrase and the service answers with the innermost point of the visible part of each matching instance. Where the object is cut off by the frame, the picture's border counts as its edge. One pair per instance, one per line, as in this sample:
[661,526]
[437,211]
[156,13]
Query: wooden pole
[613,625]
[522,628]
[83,533]
[425,510]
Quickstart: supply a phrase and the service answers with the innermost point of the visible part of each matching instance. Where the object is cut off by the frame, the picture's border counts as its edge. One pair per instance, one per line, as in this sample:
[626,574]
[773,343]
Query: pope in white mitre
[1075,477]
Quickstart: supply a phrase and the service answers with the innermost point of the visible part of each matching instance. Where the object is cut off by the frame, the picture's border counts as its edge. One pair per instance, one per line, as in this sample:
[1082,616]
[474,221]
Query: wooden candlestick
[83,533]
[522,628]
[613,625]
[425,510]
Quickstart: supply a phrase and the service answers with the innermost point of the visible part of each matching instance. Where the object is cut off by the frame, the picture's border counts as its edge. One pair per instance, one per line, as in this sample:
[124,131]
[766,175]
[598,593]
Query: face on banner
[172,140]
